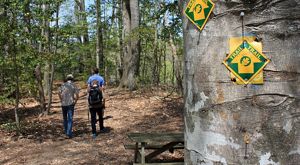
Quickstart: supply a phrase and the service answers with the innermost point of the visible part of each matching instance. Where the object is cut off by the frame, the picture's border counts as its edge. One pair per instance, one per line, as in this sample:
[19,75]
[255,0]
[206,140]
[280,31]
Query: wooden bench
[158,142]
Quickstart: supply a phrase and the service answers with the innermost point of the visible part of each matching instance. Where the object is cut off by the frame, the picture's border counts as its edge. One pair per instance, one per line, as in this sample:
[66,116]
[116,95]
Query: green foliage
[9,126]
[23,39]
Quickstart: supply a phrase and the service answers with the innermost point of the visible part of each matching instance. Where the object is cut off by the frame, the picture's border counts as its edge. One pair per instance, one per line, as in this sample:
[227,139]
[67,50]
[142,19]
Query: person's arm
[88,85]
[76,95]
[102,87]
[59,94]
[88,88]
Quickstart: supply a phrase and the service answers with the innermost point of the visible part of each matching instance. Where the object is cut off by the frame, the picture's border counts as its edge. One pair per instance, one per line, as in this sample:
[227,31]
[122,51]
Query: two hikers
[69,94]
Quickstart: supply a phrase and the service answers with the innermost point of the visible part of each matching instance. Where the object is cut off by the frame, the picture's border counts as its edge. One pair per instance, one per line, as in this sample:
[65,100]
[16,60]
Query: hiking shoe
[94,136]
[68,136]
[104,130]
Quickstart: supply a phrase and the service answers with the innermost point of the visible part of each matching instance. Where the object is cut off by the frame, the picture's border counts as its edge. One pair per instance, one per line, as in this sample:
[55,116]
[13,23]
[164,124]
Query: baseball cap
[70,77]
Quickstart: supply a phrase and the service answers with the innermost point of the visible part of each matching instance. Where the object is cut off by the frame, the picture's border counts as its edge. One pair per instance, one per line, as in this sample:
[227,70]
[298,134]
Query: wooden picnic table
[158,142]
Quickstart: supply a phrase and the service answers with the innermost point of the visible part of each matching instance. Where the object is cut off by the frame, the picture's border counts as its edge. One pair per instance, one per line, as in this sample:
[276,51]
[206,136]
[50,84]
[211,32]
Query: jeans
[93,112]
[68,112]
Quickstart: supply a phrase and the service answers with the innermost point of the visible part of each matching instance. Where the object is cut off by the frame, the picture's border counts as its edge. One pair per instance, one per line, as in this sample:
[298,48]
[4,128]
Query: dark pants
[68,112]
[94,112]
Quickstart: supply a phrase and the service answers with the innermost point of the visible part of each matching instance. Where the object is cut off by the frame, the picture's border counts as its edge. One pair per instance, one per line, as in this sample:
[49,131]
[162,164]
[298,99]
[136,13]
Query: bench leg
[137,154]
[143,152]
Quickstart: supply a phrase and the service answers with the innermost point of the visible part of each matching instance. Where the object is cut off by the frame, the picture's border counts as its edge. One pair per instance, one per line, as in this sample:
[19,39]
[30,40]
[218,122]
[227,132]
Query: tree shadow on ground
[8,115]
[50,129]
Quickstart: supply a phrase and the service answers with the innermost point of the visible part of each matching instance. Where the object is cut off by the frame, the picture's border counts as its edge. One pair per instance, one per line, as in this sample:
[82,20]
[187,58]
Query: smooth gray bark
[131,43]
[219,115]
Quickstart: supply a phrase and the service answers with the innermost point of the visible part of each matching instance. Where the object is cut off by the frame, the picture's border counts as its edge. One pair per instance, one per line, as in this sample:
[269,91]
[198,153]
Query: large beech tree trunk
[220,117]
[131,43]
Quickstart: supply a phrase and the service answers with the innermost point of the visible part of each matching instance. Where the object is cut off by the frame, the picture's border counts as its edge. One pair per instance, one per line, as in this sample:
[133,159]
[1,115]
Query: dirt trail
[42,140]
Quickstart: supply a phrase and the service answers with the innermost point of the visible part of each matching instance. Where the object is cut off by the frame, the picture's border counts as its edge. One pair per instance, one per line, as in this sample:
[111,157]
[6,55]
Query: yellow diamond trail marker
[198,12]
[234,42]
[245,62]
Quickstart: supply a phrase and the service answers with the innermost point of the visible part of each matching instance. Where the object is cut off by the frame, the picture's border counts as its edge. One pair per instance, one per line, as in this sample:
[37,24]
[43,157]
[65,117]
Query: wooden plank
[152,146]
[161,150]
[156,137]
[169,163]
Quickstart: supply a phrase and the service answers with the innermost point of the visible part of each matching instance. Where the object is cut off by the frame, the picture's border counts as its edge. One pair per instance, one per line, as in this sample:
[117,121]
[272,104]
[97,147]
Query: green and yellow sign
[198,11]
[246,62]
[234,42]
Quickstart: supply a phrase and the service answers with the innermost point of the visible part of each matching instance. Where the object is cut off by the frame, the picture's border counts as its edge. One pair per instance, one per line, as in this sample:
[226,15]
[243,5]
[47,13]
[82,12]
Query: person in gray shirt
[68,95]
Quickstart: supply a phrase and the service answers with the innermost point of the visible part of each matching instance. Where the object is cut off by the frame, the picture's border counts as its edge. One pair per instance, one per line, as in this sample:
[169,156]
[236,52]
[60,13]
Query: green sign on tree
[198,12]
[246,62]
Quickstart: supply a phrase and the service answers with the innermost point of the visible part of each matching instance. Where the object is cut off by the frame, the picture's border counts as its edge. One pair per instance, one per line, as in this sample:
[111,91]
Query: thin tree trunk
[17,90]
[50,88]
[46,48]
[121,43]
[159,62]
[176,65]
[14,22]
[83,38]
[144,71]
[39,82]
[99,42]
[173,70]
[27,19]
[155,73]
[165,62]
[38,73]
[52,63]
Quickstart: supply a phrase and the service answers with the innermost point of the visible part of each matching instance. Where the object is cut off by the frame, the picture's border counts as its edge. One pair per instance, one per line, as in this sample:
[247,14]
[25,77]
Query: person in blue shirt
[97,77]
[94,110]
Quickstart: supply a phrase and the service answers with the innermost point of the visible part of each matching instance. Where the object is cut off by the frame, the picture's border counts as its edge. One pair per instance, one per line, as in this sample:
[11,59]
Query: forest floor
[42,141]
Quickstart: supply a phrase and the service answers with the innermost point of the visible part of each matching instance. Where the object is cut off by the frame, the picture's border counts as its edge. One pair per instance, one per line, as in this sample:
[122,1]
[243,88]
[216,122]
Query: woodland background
[134,43]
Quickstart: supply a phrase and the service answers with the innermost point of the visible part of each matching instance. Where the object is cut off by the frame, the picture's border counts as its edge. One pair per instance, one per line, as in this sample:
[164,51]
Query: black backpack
[95,96]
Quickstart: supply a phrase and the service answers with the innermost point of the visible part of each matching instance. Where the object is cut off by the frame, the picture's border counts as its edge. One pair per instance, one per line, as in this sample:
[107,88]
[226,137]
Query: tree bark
[46,47]
[99,46]
[131,48]
[121,43]
[176,64]
[27,19]
[38,73]
[155,70]
[16,69]
[83,38]
[17,89]
[40,88]
[52,66]
[165,62]
[236,124]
